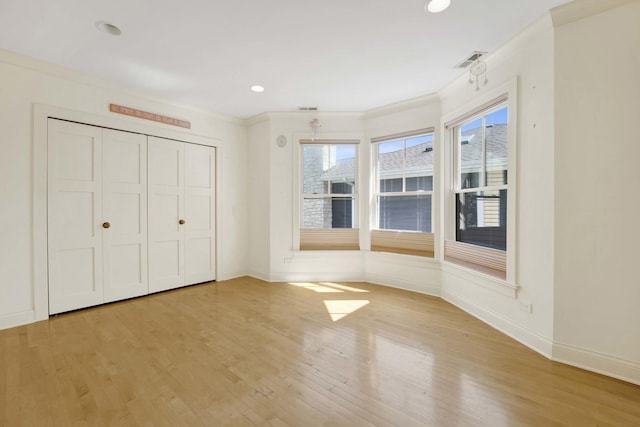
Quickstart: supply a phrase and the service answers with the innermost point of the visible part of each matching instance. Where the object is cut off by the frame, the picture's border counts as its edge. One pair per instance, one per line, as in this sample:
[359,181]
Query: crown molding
[57,71]
[401,106]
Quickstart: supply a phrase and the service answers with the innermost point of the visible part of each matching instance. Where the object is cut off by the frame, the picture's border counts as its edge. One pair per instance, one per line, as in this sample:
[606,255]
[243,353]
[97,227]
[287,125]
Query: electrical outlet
[287,260]
[527,307]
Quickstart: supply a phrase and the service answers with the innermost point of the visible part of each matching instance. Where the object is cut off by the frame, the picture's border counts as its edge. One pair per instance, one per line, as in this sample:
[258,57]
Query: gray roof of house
[420,162]
[497,151]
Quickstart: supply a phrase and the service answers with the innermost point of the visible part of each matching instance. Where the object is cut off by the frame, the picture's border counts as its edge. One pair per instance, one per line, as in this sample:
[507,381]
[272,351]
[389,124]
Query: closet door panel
[166,209]
[199,213]
[125,209]
[74,216]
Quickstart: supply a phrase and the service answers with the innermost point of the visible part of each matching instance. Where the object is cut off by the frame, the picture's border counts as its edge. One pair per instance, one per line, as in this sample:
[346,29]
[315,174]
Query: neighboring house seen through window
[405,183]
[479,198]
[329,195]
[403,193]
[481,195]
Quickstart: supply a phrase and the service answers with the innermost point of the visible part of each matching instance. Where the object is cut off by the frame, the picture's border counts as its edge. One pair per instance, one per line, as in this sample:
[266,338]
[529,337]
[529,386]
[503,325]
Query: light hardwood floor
[246,352]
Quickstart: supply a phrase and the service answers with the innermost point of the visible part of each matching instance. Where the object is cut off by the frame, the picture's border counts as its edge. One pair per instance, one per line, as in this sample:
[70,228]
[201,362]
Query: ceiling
[337,55]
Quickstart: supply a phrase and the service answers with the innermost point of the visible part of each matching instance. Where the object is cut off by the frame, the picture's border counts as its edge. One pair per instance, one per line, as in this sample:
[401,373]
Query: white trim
[401,106]
[41,114]
[298,197]
[513,193]
[17,319]
[525,336]
[475,277]
[231,276]
[258,275]
[402,135]
[405,285]
[374,179]
[478,111]
[482,189]
[621,369]
[29,63]
[317,276]
[450,185]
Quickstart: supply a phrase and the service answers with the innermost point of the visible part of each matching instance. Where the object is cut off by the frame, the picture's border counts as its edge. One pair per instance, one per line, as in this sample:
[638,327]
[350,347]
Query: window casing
[329,211]
[482,179]
[403,192]
[480,203]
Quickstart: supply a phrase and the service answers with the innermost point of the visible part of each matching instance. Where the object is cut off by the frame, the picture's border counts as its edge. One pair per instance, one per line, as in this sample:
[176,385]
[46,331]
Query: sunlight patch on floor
[341,308]
[343,287]
[315,287]
[326,287]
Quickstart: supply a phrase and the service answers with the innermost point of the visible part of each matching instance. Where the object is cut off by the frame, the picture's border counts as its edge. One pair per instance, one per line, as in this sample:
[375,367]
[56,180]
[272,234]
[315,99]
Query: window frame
[325,238]
[468,255]
[457,158]
[409,242]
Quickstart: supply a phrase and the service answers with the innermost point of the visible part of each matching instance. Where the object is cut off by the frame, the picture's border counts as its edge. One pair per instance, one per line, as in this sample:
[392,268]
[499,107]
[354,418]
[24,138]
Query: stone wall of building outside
[316,213]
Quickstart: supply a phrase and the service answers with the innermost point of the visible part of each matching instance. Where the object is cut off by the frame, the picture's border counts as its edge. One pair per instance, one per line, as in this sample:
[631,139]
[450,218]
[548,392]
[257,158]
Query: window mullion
[483,166]
[404,165]
[487,188]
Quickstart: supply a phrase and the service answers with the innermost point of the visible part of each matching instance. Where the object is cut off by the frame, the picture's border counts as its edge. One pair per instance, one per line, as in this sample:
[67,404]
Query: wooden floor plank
[249,353]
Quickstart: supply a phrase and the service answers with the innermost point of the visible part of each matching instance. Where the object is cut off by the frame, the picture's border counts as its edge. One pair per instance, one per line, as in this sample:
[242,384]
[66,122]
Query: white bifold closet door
[97,209]
[181,214]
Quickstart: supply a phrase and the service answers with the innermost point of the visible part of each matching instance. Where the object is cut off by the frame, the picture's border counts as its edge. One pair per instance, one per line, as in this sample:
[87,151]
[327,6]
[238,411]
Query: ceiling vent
[307,108]
[471,59]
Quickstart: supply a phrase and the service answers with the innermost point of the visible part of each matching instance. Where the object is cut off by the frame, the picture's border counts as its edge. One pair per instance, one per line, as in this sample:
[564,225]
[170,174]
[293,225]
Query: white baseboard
[533,340]
[232,275]
[407,285]
[600,363]
[317,277]
[258,275]
[17,319]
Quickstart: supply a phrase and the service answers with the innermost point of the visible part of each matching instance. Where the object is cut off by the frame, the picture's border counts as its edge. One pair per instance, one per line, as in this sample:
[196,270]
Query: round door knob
[106,225]
[182,221]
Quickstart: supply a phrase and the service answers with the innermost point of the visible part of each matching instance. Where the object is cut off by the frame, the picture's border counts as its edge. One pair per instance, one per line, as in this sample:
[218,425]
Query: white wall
[25,82]
[529,58]
[597,290]
[259,192]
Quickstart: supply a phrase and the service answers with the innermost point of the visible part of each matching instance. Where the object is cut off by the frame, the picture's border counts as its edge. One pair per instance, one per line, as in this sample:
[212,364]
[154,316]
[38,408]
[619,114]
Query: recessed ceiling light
[108,28]
[257,88]
[436,6]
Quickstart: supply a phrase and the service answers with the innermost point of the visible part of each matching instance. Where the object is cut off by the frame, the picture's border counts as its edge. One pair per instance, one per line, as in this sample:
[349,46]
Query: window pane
[341,212]
[328,212]
[410,213]
[342,187]
[316,161]
[420,183]
[391,185]
[419,163]
[324,165]
[482,218]
[496,147]
[390,165]
[470,154]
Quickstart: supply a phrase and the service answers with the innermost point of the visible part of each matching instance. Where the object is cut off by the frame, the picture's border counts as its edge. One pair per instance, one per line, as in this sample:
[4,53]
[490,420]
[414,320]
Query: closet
[181,214]
[127,215]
